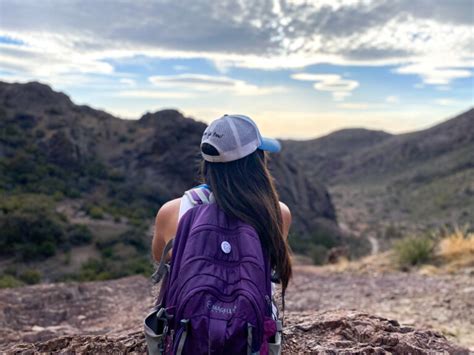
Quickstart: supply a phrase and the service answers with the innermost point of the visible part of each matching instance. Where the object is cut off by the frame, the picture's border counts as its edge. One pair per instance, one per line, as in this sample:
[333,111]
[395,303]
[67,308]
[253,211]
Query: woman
[236,175]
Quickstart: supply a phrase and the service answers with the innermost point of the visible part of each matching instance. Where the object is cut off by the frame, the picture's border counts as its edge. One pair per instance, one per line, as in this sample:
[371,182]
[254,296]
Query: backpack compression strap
[198,196]
[163,267]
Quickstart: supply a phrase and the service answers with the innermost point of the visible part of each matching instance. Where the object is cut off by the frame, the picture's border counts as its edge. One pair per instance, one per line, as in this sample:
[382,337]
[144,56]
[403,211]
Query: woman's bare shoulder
[165,226]
[285,210]
[286,216]
[168,212]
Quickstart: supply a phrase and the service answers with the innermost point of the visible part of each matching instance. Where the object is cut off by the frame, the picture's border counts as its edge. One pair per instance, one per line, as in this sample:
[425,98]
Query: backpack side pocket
[274,343]
[155,328]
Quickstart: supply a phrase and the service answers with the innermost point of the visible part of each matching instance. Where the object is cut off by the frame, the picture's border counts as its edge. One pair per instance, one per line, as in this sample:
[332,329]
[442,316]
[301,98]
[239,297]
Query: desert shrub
[39,133]
[139,265]
[67,258]
[319,254]
[8,281]
[94,270]
[30,276]
[315,245]
[116,176]
[96,212]
[32,229]
[107,252]
[30,235]
[413,250]
[54,111]
[136,237]
[106,268]
[391,232]
[79,234]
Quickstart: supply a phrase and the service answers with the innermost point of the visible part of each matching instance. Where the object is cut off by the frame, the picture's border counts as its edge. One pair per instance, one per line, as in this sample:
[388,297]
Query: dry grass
[457,244]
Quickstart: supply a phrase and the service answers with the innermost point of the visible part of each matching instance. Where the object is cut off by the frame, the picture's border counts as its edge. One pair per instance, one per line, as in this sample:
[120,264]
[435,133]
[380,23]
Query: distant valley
[386,185]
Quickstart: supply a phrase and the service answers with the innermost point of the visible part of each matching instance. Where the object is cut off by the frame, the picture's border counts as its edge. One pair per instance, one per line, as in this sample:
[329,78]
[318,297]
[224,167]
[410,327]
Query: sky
[300,69]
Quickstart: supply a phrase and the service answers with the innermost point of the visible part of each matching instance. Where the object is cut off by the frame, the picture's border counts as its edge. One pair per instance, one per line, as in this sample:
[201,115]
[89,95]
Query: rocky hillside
[158,155]
[398,313]
[416,180]
[354,154]
[98,181]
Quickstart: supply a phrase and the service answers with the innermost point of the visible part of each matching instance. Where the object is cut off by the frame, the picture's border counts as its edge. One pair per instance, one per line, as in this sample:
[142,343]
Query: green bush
[96,212]
[30,276]
[315,246]
[30,235]
[319,254]
[79,234]
[94,270]
[413,250]
[32,229]
[139,265]
[137,238]
[8,281]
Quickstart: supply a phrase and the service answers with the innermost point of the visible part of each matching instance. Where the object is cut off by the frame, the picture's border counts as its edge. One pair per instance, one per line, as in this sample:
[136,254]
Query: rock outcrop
[105,317]
[156,157]
[330,332]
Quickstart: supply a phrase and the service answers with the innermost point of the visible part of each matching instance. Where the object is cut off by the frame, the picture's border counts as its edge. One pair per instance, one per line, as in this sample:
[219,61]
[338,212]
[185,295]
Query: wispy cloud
[153,94]
[354,106]
[339,88]
[209,83]
[392,99]
[128,81]
[446,102]
[435,74]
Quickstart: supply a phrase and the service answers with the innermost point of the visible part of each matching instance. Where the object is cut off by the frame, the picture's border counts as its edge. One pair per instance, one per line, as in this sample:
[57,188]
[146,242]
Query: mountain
[423,178]
[157,154]
[326,155]
[81,166]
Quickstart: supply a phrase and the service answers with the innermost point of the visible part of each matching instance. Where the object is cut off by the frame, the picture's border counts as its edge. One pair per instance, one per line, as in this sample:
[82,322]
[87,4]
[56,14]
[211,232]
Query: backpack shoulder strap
[196,196]
[163,267]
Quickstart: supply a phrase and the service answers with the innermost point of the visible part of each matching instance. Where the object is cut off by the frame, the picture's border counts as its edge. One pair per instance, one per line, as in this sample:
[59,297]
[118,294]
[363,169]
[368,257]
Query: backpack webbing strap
[250,340]
[163,267]
[182,340]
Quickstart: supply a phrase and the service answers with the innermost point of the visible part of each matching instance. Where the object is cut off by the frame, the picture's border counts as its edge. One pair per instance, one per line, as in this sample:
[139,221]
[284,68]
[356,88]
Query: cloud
[179,67]
[128,81]
[392,99]
[354,106]
[340,88]
[446,102]
[153,94]
[77,36]
[209,83]
[435,75]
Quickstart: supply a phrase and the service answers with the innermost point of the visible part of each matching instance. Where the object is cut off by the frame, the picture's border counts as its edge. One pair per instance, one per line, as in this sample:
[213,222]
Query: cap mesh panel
[246,132]
[221,136]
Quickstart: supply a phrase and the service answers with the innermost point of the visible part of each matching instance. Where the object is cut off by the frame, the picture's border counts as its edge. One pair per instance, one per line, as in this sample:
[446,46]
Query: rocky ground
[326,311]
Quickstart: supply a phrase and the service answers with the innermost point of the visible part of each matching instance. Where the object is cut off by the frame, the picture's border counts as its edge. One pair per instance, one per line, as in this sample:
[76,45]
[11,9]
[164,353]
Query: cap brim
[270,145]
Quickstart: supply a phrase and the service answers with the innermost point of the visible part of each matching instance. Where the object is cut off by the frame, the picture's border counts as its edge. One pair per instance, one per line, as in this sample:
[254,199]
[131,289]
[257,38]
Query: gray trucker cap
[235,137]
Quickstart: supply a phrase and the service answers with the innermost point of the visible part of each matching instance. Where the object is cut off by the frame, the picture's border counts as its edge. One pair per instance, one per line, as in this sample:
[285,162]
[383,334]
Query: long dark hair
[244,188]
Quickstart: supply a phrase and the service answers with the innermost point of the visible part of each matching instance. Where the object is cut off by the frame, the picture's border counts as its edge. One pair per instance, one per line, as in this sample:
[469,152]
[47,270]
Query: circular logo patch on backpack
[225,246]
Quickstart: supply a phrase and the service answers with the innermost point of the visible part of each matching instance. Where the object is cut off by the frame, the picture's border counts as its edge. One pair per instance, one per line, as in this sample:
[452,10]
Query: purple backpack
[216,297]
